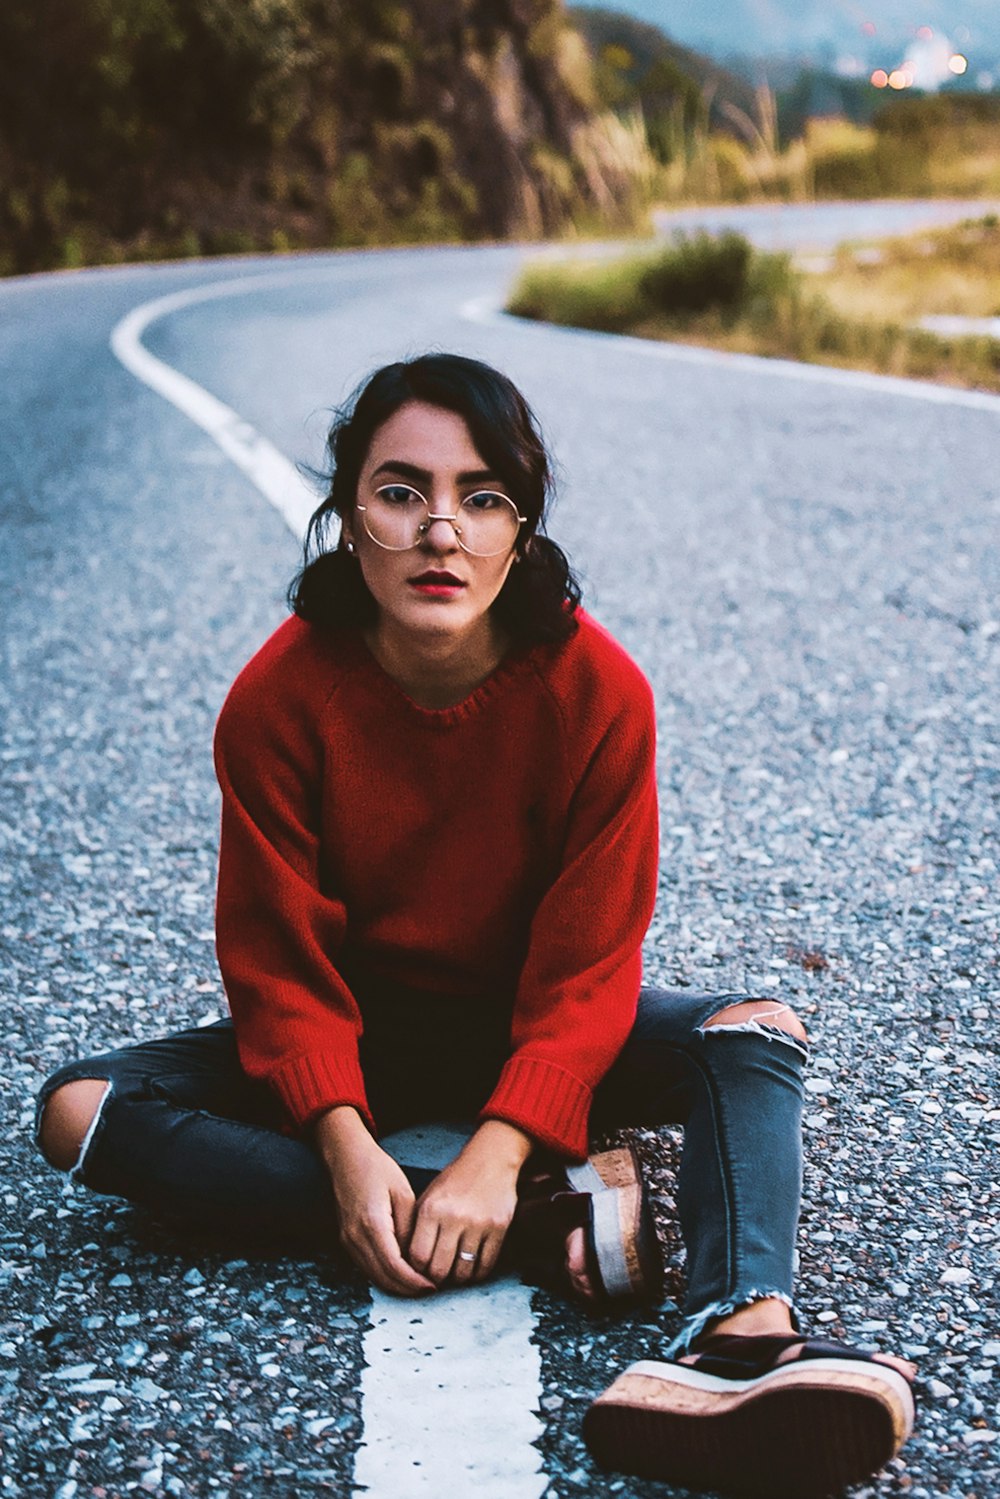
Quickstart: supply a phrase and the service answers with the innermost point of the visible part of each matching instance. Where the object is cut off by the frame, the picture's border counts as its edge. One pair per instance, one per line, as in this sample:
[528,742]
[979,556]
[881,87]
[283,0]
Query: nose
[441,534]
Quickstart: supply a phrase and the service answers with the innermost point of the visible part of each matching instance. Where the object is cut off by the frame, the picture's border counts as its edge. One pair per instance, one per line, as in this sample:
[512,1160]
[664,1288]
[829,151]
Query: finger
[391,1273]
[466,1264]
[404,1213]
[442,1262]
[489,1253]
[423,1239]
[393,1265]
[379,1255]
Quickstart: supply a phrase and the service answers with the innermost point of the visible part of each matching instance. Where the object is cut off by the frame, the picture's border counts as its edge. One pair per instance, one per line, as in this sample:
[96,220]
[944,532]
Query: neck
[438,671]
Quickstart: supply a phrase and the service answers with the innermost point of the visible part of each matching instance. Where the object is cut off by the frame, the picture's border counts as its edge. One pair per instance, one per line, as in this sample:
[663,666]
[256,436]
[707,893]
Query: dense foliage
[184,126]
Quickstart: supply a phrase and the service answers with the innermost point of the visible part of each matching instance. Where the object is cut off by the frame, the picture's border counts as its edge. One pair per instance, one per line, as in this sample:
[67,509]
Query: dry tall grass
[834,158]
[954,271]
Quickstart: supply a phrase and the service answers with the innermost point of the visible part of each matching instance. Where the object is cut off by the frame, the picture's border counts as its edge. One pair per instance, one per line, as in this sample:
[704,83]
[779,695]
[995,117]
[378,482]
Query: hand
[467,1208]
[375,1203]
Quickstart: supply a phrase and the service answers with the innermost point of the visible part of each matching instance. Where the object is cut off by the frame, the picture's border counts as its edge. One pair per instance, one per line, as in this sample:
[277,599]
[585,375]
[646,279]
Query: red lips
[433,578]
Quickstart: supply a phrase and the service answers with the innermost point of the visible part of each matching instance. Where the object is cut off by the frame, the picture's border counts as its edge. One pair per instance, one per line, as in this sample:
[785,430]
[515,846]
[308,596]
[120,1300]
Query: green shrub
[690,278]
[848,174]
[771,279]
[229,242]
[697,273]
[605,295]
[744,300]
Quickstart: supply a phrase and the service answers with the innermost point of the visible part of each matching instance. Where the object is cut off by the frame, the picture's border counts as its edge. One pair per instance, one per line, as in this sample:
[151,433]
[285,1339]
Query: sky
[873,32]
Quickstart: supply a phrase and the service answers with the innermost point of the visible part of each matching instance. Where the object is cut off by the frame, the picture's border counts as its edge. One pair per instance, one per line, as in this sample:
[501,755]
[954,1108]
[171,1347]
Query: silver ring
[464,1254]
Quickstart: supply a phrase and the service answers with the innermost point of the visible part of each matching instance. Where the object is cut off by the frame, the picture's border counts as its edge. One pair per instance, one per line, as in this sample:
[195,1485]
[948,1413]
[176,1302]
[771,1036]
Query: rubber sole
[803,1431]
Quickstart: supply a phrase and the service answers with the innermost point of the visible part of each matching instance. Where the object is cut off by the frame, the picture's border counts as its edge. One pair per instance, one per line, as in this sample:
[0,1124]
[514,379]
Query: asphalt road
[823,226]
[806,567]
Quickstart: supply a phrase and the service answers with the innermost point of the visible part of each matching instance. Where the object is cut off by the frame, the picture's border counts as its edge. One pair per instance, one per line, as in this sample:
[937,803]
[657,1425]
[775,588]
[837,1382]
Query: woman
[438,863]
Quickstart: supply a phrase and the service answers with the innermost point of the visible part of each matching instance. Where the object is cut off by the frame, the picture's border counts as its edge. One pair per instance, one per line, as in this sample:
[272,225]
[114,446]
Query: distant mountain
[656,71]
[875,32]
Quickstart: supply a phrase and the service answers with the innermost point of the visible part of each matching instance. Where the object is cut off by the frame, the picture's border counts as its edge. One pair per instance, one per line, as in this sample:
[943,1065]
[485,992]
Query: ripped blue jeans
[184,1132]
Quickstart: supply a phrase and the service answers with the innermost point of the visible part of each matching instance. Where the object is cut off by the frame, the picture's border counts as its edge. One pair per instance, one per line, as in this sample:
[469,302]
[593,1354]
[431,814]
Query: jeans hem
[695,1325]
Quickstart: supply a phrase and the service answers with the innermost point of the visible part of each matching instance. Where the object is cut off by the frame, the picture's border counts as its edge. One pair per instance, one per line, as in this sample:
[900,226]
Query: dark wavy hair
[540,594]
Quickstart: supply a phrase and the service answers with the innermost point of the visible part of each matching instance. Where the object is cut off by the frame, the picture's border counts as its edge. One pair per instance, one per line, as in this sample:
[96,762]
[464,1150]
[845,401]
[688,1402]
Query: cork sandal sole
[803,1431]
[606,1199]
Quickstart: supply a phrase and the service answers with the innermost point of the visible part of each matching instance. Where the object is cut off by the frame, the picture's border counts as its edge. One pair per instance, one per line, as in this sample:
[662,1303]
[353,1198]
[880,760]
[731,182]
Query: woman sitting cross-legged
[438,863]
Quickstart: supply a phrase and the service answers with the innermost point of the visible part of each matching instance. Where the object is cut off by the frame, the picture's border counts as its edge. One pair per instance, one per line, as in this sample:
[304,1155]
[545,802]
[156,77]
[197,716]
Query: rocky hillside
[153,127]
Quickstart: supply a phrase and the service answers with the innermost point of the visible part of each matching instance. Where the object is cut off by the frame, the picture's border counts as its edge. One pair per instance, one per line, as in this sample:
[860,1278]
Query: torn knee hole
[769,1014]
[69,1120]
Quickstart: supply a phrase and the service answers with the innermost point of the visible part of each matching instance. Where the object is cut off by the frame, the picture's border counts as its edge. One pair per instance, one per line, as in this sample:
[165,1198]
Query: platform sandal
[738,1422]
[606,1198]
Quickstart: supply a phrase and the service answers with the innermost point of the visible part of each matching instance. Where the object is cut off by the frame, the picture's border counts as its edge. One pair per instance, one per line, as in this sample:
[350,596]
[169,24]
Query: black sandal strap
[733,1357]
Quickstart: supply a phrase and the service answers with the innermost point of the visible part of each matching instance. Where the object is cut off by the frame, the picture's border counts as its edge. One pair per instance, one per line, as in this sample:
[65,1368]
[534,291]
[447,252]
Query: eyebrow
[424,476]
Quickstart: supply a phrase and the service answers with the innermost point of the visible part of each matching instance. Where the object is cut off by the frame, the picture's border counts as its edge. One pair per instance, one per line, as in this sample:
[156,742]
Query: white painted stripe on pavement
[278,480]
[458,1373]
[487,310]
[451,1384]
[448,1397]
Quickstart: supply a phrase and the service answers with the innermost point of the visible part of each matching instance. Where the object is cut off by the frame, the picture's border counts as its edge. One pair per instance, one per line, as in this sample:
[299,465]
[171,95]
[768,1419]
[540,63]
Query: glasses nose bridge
[432,514]
[435,501]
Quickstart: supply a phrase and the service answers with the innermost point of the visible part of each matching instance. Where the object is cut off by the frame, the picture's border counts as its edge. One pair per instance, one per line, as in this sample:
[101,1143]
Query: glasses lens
[394,516]
[488,523]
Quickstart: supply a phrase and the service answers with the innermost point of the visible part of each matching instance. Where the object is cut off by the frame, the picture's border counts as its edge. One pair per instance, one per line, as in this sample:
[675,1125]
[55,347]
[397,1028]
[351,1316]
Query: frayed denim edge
[76,1172]
[758,1028]
[695,1326]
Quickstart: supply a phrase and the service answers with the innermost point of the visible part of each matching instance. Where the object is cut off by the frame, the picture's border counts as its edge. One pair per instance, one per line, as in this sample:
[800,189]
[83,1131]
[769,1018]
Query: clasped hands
[451,1235]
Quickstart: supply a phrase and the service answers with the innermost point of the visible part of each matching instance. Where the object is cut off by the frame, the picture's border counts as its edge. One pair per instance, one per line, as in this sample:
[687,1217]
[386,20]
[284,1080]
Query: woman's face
[434,589]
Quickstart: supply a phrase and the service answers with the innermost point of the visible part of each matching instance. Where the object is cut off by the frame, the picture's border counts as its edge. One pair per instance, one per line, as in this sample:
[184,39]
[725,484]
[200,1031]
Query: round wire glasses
[397,517]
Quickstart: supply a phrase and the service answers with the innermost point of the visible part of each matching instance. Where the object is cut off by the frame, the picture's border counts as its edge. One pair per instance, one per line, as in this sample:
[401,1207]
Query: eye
[399,496]
[485,499]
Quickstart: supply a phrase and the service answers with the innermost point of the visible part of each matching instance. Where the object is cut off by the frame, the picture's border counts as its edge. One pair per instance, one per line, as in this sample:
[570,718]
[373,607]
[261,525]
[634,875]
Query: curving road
[806,565]
[823,226]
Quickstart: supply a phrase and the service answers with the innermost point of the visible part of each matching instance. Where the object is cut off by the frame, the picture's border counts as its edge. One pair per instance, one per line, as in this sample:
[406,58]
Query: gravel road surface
[808,572]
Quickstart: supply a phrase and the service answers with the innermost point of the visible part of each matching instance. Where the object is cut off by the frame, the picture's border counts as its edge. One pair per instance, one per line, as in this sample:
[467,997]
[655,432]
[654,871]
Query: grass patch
[952,271]
[721,293]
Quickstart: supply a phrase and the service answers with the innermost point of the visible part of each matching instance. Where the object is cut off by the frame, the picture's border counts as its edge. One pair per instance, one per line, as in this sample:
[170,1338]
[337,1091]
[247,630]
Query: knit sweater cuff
[309,1084]
[544,1100]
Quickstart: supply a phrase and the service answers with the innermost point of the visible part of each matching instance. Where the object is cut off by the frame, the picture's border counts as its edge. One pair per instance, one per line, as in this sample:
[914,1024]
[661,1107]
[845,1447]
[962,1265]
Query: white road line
[448,1397]
[451,1384]
[278,480]
[488,311]
[455,1381]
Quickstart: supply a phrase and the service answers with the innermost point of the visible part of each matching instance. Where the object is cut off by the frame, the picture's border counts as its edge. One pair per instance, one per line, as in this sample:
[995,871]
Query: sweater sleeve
[277,931]
[579,987]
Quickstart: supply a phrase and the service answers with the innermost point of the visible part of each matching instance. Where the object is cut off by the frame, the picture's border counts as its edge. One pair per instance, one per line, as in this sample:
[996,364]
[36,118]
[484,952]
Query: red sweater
[511,839]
